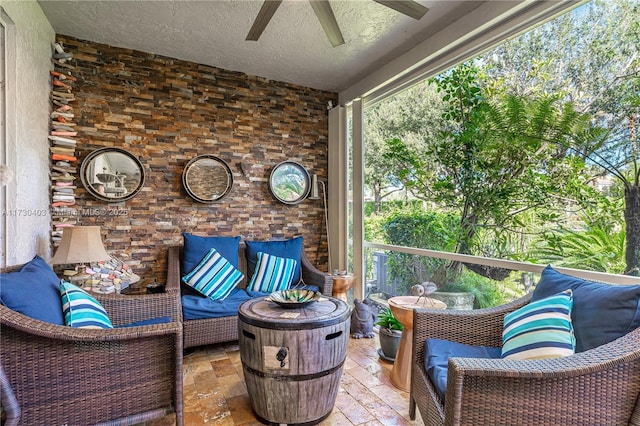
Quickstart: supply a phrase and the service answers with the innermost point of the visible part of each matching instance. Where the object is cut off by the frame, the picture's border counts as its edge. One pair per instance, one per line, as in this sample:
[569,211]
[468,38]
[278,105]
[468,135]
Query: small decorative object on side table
[342,282]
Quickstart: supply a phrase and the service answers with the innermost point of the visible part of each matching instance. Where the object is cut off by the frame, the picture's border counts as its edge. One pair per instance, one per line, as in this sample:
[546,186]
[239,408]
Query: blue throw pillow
[437,354]
[82,310]
[289,249]
[195,248]
[601,312]
[214,276]
[540,329]
[272,273]
[33,291]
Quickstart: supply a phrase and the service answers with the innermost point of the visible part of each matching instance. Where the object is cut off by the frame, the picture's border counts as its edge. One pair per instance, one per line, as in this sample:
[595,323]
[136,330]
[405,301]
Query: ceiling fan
[327,19]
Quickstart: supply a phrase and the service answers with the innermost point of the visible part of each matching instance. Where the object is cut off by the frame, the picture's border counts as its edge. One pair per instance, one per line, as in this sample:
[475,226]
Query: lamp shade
[80,244]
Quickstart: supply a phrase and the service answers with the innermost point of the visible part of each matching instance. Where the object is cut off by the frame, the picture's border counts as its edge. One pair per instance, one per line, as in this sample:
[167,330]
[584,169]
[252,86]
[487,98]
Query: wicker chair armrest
[127,309]
[23,323]
[475,387]
[313,276]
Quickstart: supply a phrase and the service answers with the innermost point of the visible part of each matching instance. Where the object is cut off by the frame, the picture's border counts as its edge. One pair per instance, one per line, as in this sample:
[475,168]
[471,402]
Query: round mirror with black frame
[112,174]
[207,178]
[289,182]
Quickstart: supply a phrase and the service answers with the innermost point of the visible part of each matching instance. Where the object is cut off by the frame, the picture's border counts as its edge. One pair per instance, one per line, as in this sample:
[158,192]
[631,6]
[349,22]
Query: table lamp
[80,245]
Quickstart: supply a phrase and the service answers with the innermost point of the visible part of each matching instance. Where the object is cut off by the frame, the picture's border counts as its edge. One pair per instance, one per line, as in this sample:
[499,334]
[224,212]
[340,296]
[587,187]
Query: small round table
[341,285]
[402,308]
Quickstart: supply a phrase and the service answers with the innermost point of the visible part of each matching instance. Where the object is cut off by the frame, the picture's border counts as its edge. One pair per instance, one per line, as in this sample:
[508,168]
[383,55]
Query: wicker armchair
[69,376]
[596,387]
[209,331]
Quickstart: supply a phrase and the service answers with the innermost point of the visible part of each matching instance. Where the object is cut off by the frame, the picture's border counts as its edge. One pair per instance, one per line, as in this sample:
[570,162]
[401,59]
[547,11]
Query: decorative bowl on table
[294,298]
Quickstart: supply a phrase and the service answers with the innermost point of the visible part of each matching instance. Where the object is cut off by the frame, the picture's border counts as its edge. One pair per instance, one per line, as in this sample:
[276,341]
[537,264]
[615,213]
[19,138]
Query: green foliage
[591,58]
[487,294]
[407,115]
[593,249]
[386,319]
[512,141]
[495,158]
[421,229]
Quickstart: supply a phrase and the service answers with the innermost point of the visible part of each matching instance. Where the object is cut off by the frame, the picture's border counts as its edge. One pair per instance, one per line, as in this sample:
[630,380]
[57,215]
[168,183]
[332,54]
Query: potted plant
[389,334]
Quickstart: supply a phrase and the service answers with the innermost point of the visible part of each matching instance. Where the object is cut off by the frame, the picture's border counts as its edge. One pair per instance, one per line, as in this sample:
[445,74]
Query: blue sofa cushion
[33,291]
[290,249]
[601,312]
[438,352]
[150,321]
[200,307]
[196,247]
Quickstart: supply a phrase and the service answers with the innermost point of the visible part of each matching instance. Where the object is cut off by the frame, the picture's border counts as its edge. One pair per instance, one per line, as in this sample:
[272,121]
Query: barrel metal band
[293,378]
[316,323]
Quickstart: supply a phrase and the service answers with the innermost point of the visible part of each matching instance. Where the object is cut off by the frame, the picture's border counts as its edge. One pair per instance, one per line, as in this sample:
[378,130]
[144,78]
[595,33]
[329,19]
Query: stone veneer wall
[167,111]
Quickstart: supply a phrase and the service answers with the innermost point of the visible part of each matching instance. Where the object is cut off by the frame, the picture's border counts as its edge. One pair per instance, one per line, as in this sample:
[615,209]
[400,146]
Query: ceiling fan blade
[327,19]
[406,7]
[267,10]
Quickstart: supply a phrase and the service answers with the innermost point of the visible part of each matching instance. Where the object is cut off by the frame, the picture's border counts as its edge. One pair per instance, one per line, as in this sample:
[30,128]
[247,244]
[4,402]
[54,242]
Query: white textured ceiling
[293,48]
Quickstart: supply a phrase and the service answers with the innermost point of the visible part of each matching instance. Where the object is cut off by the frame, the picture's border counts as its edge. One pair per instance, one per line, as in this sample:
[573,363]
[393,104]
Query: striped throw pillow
[214,276]
[80,310]
[541,329]
[272,273]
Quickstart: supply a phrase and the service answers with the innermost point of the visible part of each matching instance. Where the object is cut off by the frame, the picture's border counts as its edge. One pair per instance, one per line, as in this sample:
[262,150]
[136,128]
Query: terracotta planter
[389,341]
[455,301]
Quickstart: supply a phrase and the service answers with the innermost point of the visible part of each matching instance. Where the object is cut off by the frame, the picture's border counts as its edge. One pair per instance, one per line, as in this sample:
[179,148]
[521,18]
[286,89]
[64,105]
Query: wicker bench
[225,329]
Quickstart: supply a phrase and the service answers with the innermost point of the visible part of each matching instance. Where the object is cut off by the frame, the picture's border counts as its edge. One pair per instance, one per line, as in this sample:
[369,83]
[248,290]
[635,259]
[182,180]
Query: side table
[341,285]
[293,358]
[402,308]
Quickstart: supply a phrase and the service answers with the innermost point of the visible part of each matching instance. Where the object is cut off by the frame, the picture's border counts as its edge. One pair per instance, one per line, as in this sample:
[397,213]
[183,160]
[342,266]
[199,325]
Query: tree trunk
[632,227]
[468,233]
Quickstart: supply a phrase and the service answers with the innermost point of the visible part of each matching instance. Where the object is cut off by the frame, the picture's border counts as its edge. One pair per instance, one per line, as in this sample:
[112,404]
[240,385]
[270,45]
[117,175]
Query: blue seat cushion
[150,321]
[437,354]
[201,307]
[196,247]
[33,291]
[289,249]
[601,312]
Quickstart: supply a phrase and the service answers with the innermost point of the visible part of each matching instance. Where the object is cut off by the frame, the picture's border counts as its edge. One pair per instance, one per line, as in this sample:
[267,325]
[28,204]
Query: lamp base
[80,278]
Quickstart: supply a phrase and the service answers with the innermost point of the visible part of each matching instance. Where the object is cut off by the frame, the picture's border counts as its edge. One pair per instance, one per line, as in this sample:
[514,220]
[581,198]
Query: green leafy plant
[386,319]
[487,294]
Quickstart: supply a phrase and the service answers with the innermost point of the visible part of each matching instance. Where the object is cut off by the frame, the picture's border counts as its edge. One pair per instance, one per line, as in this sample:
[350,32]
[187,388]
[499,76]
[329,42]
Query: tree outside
[532,146]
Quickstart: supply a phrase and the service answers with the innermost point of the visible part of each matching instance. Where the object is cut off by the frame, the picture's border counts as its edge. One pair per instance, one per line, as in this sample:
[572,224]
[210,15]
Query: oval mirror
[289,182]
[207,178]
[112,174]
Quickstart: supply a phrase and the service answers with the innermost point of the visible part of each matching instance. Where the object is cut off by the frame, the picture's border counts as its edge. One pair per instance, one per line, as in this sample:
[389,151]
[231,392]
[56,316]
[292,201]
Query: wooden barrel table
[293,358]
